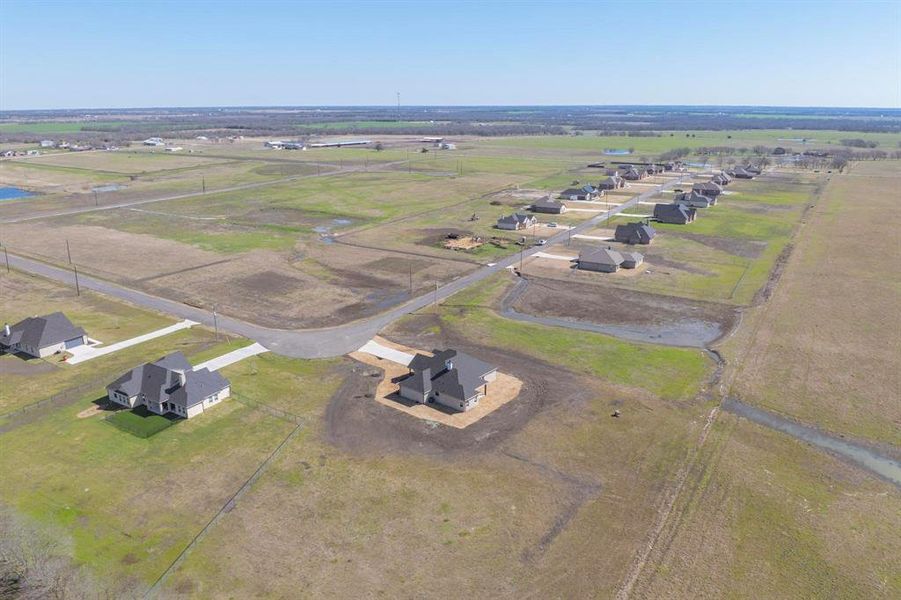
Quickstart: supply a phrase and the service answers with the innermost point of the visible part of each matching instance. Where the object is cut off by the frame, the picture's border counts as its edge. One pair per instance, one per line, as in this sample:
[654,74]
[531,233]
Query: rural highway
[323,342]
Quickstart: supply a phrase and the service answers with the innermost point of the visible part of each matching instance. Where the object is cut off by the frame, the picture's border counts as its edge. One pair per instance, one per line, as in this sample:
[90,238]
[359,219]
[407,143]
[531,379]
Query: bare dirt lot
[597,303]
[502,390]
[358,423]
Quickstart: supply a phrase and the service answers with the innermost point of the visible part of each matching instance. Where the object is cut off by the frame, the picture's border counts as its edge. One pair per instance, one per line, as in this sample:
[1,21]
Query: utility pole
[436,296]
[77,287]
[96,201]
[216,323]
[411,280]
[7,258]
[203,184]
[68,253]
[398,106]
[522,249]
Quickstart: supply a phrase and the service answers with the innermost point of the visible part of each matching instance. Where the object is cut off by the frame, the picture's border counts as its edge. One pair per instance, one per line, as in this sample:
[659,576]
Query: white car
[552,224]
[541,242]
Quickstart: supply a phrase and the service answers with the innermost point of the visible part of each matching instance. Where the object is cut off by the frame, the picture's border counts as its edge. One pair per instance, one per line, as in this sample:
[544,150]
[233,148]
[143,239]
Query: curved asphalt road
[313,343]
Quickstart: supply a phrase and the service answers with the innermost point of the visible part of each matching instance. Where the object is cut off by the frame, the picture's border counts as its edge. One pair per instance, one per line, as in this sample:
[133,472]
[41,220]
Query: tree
[378,147]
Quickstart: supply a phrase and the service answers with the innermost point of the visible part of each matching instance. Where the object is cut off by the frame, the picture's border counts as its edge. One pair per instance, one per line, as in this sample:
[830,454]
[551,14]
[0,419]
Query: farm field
[761,511]
[825,349]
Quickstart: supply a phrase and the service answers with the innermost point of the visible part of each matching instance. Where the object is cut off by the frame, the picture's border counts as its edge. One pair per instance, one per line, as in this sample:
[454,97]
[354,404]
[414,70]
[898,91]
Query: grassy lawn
[131,496]
[139,422]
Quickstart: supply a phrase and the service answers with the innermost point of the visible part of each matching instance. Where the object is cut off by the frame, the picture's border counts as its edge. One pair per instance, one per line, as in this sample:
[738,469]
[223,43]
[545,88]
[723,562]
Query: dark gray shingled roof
[601,256]
[516,218]
[39,332]
[642,232]
[159,381]
[547,203]
[463,381]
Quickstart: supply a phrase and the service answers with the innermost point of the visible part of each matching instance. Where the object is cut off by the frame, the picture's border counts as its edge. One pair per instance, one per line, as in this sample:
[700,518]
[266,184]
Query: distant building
[694,199]
[586,192]
[154,141]
[47,144]
[634,233]
[676,214]
[634,174]
[339,144]
[516,221]
[740,173]
[754,170]
[546,205]
[708,188]
[721,179]
[174,149]
[170,386]
[42,336]
[447,146]
[450,378]
[604,260]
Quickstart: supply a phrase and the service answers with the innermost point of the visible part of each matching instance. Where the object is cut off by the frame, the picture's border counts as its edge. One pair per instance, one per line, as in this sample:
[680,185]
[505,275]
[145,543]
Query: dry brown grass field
[826,349]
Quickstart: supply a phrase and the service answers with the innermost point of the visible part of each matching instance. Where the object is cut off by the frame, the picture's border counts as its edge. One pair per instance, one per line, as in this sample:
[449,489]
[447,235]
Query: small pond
[615,152]
[13,193]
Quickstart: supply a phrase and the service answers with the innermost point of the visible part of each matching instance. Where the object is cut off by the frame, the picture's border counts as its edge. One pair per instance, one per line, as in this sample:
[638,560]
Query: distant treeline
[291,123]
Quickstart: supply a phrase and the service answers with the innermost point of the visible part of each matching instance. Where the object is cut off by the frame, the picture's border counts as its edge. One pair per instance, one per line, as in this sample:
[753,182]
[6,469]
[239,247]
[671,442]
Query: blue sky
[205,53]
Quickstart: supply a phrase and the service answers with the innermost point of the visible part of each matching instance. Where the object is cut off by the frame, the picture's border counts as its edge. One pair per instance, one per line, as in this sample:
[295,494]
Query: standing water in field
[615,152]
[881,465]
[13,193]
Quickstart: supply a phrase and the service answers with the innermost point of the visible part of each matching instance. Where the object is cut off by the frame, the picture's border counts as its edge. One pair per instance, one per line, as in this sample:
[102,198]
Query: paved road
[322,342]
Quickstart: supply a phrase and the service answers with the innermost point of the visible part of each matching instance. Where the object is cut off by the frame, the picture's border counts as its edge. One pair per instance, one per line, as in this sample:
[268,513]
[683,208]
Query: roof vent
[449,365]
[6,329]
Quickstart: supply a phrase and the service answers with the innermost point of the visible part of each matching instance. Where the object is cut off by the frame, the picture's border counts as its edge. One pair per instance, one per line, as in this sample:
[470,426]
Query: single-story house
[677,214]
[450,378]
[586,192]
[634,233]
[154,141]
[631,260]
[546,205]
[613,182]
[634,174]
[740,173]
[721,179]
[757,170]
[170,385]
[694,199]
[42,336]
[516,221]
[708,188]
[613,173]
[47,143]
[604,260]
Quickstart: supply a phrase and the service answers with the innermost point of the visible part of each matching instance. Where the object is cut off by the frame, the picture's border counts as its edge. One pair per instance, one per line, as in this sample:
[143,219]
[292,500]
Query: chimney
[449,365]
[6,329]
[181,378]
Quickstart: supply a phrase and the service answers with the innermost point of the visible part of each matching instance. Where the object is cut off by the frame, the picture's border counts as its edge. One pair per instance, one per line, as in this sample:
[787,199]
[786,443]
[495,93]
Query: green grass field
[56,127]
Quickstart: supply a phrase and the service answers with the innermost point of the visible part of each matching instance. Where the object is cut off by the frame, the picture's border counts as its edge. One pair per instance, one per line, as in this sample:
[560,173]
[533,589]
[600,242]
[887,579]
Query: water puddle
[110,187]
[869,459]
[616,152]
